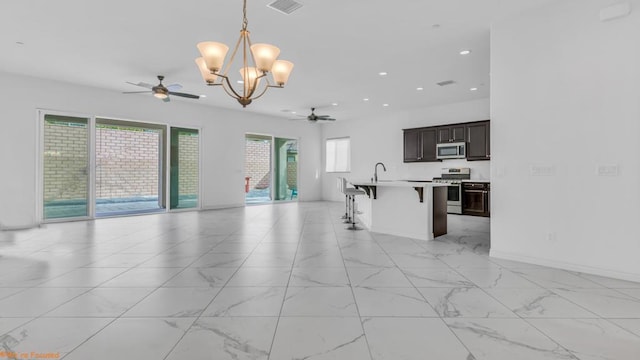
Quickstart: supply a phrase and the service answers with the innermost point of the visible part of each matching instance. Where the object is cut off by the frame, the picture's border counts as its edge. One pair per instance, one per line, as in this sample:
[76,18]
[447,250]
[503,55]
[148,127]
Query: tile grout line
[284,299]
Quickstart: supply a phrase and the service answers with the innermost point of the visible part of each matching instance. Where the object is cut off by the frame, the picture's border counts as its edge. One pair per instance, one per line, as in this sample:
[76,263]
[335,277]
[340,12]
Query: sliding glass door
[185,168]
[94,167]
[286,169]
[65,162]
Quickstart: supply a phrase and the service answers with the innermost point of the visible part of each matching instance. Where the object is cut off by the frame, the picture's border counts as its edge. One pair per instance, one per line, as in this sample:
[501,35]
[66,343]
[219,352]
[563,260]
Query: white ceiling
[338,48]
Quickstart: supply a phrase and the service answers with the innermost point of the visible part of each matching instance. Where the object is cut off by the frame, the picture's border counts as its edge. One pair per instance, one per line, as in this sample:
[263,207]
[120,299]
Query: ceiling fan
[161,91]
[315,118]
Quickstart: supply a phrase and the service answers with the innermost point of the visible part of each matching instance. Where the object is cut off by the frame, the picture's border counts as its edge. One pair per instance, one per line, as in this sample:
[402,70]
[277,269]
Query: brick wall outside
[292,174]
[65,162]
[188,160]
[257,165]
[127,162]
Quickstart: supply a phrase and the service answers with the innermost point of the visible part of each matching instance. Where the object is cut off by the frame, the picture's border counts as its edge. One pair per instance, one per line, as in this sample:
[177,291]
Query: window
[338,155]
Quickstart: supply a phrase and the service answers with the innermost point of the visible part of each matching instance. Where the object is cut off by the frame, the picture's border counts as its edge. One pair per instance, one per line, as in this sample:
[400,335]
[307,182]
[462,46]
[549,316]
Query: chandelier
[257,61]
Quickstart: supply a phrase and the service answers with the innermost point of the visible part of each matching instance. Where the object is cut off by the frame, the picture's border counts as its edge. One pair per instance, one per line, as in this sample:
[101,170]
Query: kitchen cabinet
[420,145]
[478,141]
[451,133]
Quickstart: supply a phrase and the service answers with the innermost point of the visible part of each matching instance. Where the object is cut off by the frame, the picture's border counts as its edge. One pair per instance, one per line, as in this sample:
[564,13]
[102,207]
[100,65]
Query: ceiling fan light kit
[315,118]
[162,92]
[257,61]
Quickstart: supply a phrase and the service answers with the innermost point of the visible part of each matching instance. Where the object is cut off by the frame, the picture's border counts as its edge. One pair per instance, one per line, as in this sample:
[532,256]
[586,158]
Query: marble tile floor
[288,281]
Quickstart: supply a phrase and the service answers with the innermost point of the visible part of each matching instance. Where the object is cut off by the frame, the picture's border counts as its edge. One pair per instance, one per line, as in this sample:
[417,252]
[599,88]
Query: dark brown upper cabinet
[451,133]
[420,145]
[478,141]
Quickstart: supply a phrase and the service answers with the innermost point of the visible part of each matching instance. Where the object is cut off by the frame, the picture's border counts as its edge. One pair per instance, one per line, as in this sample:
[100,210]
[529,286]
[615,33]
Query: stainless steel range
[453,177]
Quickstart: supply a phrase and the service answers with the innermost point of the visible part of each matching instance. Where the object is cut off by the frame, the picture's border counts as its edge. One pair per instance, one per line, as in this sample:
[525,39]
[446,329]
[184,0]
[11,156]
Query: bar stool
[351,194]
[346,200]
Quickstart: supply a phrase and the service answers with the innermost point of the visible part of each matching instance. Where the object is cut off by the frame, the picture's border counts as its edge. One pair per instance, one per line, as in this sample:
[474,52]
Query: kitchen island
[403,208]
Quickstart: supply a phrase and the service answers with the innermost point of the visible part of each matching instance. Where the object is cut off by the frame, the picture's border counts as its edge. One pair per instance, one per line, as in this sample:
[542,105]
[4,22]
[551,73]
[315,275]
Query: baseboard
[220,207]
[566,266]
[18,227]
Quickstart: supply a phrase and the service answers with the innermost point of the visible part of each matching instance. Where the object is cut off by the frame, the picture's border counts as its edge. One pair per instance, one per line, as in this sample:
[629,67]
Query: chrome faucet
[375,172]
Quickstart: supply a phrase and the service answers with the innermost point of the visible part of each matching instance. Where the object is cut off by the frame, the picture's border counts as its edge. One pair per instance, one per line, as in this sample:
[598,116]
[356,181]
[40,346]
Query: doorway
[271,169]
[129,168]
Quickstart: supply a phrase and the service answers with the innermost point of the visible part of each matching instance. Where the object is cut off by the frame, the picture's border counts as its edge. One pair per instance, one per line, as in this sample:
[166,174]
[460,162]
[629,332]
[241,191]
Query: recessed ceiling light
[383,73]
[334,104]
[385,105]
[365,99]
[419,88]
[473,89]
[240,82]
[203,96]
[294,112]
[465,52]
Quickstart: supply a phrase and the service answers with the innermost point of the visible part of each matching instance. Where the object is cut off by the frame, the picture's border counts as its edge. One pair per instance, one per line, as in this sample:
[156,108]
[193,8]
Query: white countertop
[397,183]
[477,181]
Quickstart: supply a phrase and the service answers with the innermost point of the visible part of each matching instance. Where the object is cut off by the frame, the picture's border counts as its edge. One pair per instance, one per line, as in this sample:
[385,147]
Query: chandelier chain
[245,22]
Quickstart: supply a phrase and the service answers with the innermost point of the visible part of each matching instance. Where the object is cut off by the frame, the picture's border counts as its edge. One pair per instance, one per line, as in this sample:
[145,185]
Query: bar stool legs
[346,209]
[353,215]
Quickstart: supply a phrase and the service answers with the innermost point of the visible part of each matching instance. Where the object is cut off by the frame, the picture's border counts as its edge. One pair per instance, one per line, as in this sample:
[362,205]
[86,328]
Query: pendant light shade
[207,75]
[264,55]
[213,54]
[251,77]
[281,70]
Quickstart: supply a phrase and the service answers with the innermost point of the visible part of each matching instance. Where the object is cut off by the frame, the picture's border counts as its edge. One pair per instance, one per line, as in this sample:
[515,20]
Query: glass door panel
[185,168]
[129,167]
[65,167]
[286,169]
[257,169]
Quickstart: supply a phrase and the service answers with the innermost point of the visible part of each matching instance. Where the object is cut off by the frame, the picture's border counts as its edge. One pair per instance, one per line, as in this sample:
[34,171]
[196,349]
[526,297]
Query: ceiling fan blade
[323,116]
[174,87]
[142,84]
[190,96]
[328,119]
[136,92]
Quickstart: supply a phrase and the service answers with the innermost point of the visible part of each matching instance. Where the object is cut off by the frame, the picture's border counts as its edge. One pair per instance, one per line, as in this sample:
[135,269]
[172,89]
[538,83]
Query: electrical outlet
[551,237]
[607,170]
[542,170]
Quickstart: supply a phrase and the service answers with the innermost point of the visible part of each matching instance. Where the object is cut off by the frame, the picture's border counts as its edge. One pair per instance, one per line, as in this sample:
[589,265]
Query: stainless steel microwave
[451,151]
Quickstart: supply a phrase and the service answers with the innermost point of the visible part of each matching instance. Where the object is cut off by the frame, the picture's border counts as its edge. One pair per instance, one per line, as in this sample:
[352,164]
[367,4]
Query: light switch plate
[607,170]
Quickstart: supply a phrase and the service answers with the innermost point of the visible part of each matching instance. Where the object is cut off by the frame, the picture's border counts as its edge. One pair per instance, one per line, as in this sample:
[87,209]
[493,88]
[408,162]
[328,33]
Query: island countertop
[413,209]
[397,183]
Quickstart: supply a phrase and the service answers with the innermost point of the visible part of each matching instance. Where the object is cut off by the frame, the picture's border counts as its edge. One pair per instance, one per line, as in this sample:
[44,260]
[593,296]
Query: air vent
[445,83]
[285,6]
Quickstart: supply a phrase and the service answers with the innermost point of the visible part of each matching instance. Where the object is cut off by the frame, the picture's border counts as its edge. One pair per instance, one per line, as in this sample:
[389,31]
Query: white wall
[222,135]
[564,94]
[380,139]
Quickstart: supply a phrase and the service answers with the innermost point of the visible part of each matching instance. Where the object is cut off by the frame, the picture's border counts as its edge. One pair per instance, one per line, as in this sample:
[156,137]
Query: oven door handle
[474,191]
